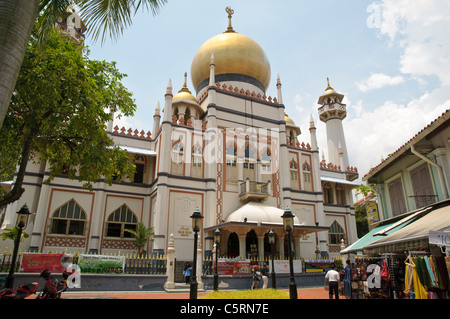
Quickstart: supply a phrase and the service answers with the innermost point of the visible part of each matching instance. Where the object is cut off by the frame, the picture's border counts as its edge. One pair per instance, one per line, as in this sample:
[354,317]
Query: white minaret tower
[332,112]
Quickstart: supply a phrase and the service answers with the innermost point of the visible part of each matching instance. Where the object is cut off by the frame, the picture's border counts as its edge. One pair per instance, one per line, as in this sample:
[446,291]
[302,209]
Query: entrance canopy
[263,216]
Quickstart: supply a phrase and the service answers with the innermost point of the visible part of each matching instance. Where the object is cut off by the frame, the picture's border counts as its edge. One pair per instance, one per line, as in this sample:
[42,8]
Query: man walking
[334,281]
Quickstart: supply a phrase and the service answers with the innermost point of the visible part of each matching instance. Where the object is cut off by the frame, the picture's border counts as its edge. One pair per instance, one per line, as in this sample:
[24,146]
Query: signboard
[230,266]
[312,265]
[35,262]
[372,213]
[282,266]
[101,263]
[440,238]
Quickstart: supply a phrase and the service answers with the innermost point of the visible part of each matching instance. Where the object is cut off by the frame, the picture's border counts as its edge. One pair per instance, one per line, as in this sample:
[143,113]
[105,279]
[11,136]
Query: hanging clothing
[430,271]
[443,272]
[412,281]
[422,272]
[347,283]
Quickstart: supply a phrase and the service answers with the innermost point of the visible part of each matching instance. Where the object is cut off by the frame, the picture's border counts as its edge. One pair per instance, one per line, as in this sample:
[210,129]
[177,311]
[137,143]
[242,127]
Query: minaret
[332,112]
[156,120]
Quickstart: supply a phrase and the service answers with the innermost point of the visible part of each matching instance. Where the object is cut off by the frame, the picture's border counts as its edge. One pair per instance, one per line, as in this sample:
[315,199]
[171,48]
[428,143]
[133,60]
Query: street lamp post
[272,243]
[288,225]
[216,273]
[196,226]
[22,221]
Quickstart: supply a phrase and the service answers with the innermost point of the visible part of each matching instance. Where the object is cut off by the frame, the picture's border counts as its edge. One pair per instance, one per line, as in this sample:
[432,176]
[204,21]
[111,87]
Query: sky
[390,58]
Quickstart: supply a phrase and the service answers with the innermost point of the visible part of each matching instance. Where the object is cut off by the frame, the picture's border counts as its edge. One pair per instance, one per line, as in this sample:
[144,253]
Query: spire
[184,88]
[230,14]
[280,96]
[212,68]
[168,103]
[157,110]
[169,88]
[311,122]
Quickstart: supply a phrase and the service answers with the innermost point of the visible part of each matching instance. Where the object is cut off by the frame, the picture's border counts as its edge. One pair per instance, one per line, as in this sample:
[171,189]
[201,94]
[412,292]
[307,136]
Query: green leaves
[141,235]
[11,233]
[60,109]
[108,18]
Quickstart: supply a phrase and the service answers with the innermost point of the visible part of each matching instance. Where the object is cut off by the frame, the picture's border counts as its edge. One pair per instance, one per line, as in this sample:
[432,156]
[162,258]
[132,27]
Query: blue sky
[389,57]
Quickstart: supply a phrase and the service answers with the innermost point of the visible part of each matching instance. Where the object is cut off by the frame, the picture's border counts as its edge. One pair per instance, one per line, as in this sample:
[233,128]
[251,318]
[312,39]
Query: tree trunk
[17,18]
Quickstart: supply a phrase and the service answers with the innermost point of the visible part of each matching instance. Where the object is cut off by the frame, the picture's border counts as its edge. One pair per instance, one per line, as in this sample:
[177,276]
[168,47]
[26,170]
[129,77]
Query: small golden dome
[288,120]
[234,54]
[329,89]
[184,93]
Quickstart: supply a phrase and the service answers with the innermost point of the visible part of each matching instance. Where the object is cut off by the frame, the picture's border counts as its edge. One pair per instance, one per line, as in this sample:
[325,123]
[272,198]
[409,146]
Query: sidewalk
[303,293]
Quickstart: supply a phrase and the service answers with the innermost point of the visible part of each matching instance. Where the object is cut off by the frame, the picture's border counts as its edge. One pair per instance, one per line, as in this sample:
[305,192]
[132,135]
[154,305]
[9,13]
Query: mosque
[227,149]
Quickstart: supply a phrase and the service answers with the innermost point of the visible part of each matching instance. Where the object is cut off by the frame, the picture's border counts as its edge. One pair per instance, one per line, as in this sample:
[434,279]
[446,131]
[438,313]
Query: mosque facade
[228,150]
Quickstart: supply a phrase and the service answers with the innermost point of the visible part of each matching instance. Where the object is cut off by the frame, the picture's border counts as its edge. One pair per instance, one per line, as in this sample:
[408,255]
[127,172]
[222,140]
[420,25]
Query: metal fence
[152,264]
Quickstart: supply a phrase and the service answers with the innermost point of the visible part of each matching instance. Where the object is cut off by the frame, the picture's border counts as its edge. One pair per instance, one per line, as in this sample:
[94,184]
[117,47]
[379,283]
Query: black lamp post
[272,243]
[216,273]
[22,221]
[196,226]
[288,225]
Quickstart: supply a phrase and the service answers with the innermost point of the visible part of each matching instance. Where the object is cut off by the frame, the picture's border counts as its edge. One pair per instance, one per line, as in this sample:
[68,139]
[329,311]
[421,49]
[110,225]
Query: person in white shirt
[334,281]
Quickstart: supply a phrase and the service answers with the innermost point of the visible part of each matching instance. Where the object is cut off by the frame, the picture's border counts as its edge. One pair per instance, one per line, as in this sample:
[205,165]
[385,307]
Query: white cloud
[377,81]
[379,132]
[419,27]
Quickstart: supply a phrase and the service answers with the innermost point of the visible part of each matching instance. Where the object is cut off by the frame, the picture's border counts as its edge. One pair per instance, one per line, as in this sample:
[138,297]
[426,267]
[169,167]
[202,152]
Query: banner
[101,263]
[282,266]
[313,265]
[35,262]
[230,266]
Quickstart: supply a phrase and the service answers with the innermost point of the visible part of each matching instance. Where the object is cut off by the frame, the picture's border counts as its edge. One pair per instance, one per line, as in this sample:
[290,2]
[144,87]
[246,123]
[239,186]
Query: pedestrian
[256,277]
[334,281]
[264,274]
[187,272]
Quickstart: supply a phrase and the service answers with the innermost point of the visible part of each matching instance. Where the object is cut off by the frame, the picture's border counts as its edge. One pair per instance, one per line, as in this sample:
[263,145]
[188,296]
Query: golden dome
[329,89]
[236,57]
[288,120]
[184,93]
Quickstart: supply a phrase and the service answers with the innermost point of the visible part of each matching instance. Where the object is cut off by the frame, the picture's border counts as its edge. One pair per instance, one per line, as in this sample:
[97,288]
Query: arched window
[177,159]
[294,175]
[266,166]
[340,195]
[335,234]
[249,163]
[69,219]
[307,177]
[196,169]
[231,159]
[119,220]
[327,193]
[139,162]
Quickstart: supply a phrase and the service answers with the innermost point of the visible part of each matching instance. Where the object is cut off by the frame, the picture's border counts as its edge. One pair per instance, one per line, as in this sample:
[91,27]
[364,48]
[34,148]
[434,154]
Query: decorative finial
[185,88]
[230,14]
[185,77]
[329,88]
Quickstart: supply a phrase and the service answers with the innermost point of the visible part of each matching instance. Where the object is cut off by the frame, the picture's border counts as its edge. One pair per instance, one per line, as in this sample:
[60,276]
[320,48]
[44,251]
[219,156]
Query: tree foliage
[58,115]
[140,235]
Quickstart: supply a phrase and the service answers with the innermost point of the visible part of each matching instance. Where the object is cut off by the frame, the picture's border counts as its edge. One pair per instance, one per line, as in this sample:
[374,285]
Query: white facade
[230,151]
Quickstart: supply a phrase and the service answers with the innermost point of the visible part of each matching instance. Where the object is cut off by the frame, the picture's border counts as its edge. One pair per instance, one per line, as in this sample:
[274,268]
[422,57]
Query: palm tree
[140,235]
[103,18]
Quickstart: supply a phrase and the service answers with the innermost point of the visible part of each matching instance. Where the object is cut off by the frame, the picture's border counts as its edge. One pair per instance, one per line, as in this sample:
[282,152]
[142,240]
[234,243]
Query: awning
[383,230]
[438,219]
[337,180]
[137,150]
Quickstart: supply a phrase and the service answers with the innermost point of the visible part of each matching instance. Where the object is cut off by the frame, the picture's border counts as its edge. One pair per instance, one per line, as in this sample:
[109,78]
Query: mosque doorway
[233,246]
